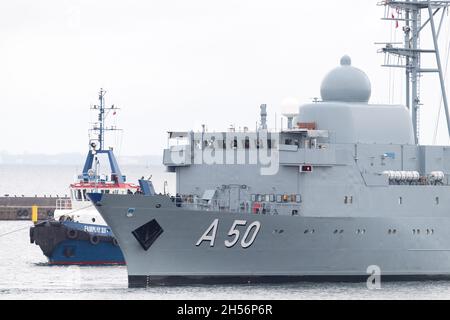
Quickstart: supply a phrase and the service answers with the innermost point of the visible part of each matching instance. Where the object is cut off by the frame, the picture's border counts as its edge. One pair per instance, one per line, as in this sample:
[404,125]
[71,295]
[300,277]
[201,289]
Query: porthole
[130,212]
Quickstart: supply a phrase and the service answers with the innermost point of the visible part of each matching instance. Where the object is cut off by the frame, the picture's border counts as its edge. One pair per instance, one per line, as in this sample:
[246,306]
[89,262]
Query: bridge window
[400,200]
[259,144]
[438,201]
[247,143]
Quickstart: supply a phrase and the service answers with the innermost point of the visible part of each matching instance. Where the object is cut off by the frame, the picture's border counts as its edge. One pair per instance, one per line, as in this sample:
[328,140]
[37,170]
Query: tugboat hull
[71,243]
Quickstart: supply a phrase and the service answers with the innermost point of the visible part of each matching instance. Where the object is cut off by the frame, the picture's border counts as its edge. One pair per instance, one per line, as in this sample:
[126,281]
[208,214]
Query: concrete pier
[20,208]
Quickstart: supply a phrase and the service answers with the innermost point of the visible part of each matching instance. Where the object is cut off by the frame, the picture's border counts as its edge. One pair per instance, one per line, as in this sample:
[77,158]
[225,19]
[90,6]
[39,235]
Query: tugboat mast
[99,128]
[409,56]
[97,142]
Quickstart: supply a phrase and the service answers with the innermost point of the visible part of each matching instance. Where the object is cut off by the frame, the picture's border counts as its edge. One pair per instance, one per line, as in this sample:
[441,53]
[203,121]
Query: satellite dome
[346,84]
[289,106]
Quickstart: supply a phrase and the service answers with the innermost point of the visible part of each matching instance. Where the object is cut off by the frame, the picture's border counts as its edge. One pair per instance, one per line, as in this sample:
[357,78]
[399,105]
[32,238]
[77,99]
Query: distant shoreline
[73,159]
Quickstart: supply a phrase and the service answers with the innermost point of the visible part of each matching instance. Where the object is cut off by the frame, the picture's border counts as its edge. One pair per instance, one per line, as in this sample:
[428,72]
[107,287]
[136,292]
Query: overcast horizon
[174,65]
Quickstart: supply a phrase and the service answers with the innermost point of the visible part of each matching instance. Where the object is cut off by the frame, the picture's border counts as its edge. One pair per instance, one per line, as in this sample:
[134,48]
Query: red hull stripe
[87,263]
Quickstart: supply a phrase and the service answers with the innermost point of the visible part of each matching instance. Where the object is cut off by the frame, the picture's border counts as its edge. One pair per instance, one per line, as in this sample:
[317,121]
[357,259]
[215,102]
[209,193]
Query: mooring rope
[14,231]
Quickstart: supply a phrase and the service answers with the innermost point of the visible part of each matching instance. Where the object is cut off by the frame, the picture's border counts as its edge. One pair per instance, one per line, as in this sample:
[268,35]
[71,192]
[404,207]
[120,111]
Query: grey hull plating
[286,248]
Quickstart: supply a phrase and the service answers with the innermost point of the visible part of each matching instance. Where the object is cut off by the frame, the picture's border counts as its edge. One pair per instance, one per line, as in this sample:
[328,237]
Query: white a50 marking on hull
[247,240]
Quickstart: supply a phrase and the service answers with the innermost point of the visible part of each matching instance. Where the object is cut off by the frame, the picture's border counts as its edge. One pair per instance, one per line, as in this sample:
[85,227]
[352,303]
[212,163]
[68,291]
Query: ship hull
[69,243]
[284,248]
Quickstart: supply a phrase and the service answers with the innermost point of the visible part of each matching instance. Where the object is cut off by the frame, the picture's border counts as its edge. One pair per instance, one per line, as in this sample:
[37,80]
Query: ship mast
[97,141]
[409,55]
[99,128]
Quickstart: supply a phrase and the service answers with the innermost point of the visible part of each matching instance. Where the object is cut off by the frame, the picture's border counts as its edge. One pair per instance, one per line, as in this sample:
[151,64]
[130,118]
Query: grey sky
[173,65]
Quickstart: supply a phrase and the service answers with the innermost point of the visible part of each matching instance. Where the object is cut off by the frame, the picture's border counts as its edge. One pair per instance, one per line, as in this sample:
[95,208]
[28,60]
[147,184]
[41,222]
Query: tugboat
[78,235]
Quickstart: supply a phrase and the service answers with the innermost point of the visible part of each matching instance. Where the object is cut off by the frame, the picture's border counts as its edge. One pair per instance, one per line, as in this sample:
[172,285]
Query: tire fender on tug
[94,240]
[72,234]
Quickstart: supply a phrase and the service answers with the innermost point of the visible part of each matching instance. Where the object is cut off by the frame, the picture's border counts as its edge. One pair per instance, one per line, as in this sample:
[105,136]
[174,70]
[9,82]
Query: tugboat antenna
[97,141]
[99,128]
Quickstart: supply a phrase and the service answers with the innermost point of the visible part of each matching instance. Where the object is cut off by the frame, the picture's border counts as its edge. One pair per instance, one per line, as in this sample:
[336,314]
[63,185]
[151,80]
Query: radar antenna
[409,56]
[99,128]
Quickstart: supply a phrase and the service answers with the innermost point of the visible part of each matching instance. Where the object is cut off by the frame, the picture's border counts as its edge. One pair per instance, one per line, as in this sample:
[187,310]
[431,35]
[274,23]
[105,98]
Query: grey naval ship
[345,188]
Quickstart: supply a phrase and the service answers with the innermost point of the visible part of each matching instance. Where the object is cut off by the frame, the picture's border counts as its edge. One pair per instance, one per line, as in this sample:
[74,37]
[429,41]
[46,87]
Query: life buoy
[94,240]
[115,242]
[72,234]
[256,207]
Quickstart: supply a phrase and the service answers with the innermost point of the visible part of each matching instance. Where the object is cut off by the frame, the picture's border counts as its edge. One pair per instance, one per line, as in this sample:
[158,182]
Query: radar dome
[290,106]
[346,84]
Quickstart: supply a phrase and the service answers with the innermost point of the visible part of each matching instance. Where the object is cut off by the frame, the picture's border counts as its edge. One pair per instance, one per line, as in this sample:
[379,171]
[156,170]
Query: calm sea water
[24,273]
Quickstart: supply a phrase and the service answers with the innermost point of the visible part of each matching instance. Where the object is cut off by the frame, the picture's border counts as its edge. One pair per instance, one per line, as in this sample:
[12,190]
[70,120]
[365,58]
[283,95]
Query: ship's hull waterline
[196,247]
